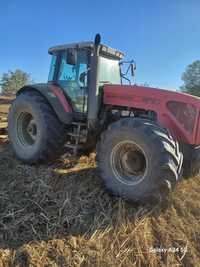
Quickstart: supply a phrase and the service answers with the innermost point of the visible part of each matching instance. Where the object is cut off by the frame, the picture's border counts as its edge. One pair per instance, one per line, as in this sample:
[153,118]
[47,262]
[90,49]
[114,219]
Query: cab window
[52,68]
[69,79]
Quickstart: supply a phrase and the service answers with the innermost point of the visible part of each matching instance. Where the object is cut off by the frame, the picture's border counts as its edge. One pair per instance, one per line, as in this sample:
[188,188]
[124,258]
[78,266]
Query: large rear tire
[138,160]
[191,162]
[34,131]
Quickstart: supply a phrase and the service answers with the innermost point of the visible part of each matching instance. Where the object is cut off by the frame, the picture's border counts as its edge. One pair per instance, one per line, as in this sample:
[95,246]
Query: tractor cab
[81,70]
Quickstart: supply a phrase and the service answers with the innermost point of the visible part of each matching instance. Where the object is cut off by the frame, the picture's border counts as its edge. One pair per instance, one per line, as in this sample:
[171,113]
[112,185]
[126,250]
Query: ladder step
[71,146]
[78,138]
[75,135]
[79,123]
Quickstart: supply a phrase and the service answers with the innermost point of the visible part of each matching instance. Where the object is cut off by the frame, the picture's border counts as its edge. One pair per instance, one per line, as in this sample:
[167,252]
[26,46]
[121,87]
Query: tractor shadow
[47,202]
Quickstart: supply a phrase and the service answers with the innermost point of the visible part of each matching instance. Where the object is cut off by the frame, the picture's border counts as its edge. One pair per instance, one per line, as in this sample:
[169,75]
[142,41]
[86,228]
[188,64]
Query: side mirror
[71,56]
[133,68]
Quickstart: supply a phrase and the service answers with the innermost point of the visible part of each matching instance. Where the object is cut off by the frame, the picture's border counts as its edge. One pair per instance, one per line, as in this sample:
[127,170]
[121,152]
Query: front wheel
[138,160]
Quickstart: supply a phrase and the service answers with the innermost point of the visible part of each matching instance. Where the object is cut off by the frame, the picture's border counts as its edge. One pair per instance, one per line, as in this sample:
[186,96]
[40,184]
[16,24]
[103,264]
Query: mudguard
[55,97]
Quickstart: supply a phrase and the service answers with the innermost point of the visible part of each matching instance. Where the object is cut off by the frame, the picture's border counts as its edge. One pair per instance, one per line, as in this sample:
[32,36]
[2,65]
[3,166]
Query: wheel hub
[32,129]
[26,129]
[133,162]
[128,162]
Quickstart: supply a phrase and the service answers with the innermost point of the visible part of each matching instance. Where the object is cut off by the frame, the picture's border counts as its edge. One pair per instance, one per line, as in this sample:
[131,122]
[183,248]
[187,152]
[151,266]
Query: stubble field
[62,215]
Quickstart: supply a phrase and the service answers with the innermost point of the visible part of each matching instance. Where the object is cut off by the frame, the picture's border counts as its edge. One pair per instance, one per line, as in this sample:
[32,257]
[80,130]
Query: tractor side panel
[56,98]
[175,111]
[198,130]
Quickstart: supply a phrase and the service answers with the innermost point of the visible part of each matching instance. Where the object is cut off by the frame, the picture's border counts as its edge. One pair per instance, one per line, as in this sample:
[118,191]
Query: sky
[163,36]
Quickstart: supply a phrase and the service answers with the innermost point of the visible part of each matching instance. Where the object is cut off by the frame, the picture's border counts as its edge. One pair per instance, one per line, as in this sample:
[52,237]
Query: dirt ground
[62,215]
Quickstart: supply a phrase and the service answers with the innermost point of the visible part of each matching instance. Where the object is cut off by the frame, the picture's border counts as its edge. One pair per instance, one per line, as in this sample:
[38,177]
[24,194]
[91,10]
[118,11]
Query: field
[62,215]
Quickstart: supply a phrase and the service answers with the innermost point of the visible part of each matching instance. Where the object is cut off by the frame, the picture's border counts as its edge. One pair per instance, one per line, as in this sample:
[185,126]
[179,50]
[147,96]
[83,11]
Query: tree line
[12,81]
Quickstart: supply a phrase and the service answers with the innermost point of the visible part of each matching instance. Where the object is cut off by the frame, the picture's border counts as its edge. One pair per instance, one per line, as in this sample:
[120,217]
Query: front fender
[55,97]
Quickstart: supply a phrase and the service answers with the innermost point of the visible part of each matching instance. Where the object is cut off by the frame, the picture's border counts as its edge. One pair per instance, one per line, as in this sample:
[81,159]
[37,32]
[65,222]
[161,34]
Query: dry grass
[4,108]
[4,104]
[62,215]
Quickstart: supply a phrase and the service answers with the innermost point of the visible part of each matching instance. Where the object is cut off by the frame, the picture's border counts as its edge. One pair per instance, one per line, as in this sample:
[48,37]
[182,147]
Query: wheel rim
[128,162]
[26,129]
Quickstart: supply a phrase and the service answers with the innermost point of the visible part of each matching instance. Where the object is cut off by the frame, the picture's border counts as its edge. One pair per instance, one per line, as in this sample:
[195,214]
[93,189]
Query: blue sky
[163,36]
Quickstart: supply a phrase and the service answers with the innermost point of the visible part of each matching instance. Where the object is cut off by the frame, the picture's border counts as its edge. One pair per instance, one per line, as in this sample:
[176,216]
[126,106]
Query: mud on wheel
[138,159]
[34,131]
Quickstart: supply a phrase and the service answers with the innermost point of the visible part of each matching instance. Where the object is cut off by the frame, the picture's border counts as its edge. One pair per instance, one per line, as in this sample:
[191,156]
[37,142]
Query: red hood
[176,111]
[157,95]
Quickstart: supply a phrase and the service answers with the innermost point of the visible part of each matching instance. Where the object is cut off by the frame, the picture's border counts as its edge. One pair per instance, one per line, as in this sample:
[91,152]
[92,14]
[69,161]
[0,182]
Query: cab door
[69,79]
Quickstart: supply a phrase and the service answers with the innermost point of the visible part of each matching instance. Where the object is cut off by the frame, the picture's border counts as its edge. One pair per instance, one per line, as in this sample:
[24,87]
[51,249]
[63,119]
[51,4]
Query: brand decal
[135,98]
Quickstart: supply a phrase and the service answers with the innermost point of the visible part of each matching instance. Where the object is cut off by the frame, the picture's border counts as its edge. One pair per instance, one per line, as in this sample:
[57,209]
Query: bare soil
[62,215]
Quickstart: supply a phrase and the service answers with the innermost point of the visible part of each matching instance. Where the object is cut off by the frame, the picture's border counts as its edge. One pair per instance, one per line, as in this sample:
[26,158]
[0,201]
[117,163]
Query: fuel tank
[178,112]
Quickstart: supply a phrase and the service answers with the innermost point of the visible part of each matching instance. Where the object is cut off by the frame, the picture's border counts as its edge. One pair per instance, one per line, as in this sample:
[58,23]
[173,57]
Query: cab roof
[104,50]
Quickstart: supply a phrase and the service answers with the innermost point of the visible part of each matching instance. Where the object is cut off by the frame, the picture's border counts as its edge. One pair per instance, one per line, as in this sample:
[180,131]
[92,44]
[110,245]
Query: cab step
[77,137]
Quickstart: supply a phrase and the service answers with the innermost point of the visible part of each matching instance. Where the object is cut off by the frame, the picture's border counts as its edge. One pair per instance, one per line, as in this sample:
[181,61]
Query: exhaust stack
[93,96]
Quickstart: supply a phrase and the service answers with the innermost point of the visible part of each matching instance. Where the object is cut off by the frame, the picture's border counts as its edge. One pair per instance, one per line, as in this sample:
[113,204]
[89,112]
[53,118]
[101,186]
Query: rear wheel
[35,133]
[191,162]
[138,160]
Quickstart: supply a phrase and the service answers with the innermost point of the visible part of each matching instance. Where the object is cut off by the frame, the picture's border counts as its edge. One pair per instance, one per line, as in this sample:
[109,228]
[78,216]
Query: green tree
[12,81]
[191,79]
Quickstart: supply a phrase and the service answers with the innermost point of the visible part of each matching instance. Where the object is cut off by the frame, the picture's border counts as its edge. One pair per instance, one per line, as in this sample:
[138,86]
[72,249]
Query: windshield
[109,71]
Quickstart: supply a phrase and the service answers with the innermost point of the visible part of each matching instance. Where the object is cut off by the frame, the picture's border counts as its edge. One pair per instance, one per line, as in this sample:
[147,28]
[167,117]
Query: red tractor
[145,138]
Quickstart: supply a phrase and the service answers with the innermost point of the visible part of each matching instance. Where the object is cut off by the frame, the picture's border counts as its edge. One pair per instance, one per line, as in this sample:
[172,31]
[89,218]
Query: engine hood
[179,112]
[148,94]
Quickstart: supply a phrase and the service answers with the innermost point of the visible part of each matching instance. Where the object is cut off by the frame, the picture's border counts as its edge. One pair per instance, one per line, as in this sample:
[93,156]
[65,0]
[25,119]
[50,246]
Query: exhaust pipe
[93,96]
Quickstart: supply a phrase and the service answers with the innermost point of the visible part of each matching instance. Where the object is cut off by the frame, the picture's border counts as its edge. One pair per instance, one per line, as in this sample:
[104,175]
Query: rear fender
[55,97]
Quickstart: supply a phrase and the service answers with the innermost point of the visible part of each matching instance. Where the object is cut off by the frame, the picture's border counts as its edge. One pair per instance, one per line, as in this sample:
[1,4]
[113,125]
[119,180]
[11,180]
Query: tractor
[145,138]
